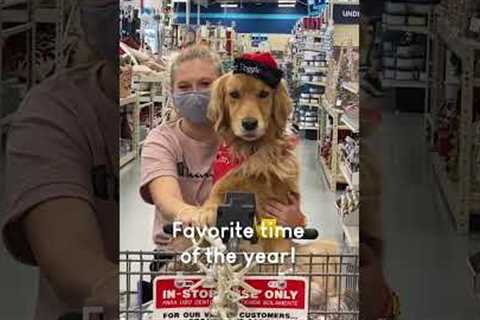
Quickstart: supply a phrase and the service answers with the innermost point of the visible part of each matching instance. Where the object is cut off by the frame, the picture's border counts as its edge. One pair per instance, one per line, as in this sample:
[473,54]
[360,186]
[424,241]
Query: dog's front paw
[206,217]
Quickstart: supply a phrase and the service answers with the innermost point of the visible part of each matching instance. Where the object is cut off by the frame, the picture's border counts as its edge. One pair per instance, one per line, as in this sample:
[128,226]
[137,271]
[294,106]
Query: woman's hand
[197,216]
[188,215]
[287,215]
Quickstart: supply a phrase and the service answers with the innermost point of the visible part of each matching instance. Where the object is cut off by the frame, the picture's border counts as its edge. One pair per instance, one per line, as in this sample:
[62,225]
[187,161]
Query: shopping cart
[138,269]
[332,279]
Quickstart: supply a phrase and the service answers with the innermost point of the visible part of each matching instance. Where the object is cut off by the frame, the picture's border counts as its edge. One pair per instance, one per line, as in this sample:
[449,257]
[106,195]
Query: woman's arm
[167,196]
[66,242]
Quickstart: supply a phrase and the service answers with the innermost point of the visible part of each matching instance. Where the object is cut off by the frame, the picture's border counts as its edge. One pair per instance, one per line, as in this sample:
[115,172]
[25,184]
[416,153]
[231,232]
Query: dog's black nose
[250,124]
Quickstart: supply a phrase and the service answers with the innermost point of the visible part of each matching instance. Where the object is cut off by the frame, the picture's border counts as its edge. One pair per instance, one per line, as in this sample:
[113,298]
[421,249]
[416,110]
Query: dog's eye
[263,94]
[235,94]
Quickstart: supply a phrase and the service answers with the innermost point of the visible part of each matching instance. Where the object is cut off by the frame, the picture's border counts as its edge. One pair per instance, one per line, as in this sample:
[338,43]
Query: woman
[177,158]
[61,174]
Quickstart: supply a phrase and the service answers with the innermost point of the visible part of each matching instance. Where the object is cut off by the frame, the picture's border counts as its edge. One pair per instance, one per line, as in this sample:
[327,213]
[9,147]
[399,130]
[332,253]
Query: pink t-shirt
[62,142]
[168,152]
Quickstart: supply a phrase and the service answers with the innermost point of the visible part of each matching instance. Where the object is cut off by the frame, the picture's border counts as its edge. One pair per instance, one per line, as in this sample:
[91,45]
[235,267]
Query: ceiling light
[287,1]
[292,5]
[229,5]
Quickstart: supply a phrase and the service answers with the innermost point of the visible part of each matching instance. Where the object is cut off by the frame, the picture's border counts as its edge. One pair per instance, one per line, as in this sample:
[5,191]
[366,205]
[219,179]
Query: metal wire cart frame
[336,275]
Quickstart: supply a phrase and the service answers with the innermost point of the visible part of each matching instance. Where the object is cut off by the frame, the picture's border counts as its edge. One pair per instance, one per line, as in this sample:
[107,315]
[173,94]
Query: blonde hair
[194,52]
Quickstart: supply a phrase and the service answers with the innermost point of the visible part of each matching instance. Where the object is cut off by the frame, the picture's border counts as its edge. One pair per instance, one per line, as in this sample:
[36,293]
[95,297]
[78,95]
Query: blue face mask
[100,25]
[193,105]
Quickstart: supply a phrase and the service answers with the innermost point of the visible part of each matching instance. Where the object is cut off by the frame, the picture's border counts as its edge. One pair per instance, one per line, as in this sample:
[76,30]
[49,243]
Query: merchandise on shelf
[125,85]
[309,51]
[348,205]
[350,150]
[404,58]
[406,13]
[452,117]
[339,119]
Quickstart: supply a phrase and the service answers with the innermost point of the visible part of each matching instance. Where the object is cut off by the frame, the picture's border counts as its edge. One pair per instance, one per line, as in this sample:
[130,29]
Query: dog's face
[248,108]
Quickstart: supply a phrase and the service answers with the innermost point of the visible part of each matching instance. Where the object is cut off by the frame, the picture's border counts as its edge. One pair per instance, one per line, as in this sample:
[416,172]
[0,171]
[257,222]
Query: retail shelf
[312,69]
[143,105]
[303,127]
[315,105]
[407,28]
[351,123]
[313,83]
[347,174]
[148,78]
[314,49]
[46,15]
[14,16]
[350,86]
[128,100]
[127,158]
[392,83]
[11,3]
[307,128]
[457,82]
[159,99]
[449,189]
[331,111]
[8,32]
[459,45]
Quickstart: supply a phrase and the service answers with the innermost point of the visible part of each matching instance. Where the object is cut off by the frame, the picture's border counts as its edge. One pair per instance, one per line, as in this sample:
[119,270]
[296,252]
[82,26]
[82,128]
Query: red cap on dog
[264,58]
[259,65]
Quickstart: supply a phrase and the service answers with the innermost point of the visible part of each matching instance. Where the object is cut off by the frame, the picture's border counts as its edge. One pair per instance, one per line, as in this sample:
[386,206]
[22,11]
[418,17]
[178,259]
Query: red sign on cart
[277,298]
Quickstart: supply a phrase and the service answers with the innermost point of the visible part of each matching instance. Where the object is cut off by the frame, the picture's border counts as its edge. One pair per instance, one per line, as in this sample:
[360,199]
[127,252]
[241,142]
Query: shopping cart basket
[334,278]
[337,274]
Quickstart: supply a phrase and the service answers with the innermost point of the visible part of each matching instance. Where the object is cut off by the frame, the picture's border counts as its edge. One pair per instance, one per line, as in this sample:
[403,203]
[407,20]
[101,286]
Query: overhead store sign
[346,14]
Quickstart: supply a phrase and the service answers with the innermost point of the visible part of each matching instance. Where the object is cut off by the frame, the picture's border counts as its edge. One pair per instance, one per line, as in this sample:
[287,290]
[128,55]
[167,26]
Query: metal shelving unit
[335,119]
[309,52]
[425,30]
[461,200]
[131,105]
[16,19]
[150,90]
[23,16]
[63,17]
[339,121]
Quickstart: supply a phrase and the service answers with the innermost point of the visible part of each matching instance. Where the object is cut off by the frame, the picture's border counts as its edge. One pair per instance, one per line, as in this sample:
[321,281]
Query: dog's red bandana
[225,161]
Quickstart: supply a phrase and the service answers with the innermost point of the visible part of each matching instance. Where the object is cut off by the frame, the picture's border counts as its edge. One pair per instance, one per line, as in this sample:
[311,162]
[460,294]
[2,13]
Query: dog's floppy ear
[282,107]
[217,109]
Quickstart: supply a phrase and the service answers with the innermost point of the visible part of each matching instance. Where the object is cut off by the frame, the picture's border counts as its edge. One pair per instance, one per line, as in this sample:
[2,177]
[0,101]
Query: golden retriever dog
[251,118]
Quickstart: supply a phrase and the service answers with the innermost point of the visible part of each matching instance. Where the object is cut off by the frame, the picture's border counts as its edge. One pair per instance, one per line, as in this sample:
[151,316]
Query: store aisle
[136,216]
[318,203]
[425,258]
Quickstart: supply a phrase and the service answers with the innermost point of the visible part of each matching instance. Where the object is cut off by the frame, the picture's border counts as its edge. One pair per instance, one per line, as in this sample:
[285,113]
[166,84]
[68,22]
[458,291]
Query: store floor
[425,257]
[318,203]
